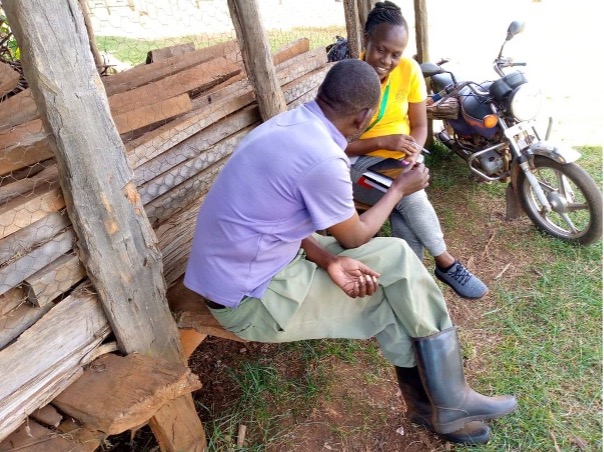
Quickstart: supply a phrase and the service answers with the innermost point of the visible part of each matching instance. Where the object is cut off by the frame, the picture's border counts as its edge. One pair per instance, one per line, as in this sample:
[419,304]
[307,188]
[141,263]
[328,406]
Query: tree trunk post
[422,55]
[354,29]
[257,58]
[117,245]
[421,30]
[364,7]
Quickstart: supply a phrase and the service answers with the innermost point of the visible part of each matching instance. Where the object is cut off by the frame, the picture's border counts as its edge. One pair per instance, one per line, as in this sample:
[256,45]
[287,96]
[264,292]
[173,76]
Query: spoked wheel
[574,198]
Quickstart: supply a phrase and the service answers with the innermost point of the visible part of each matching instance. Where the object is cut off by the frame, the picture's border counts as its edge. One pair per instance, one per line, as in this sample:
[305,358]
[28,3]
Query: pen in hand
[422,149]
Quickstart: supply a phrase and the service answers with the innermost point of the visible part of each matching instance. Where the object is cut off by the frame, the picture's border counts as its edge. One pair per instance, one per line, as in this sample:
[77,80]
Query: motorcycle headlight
[525,102]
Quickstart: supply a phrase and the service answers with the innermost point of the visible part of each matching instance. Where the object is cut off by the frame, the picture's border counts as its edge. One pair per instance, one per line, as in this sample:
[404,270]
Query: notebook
[381,175]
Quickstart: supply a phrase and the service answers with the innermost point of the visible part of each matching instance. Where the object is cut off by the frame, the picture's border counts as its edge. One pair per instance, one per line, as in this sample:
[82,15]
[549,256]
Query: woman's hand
[353,277]
[401,143]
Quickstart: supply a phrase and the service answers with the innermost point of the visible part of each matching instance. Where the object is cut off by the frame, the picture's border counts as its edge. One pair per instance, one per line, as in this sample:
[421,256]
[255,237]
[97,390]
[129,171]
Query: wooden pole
[421,30]
[353,28]
[257,58]
[98,59]
[364,7]
[422,55]
[117,244]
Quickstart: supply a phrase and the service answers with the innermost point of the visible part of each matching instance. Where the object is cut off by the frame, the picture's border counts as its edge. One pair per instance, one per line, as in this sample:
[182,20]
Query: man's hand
[415,179]
[353,277]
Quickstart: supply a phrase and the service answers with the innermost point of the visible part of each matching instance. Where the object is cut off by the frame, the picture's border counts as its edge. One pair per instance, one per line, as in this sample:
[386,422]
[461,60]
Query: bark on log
[170,51]
[353,28]
[421,31]
[257,57]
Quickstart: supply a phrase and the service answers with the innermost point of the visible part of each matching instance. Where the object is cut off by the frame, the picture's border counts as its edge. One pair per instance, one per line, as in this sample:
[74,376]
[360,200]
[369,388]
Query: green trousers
[302,302]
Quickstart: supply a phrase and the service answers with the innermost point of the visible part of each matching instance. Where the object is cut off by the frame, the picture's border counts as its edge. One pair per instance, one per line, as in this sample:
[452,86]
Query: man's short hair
[350,86]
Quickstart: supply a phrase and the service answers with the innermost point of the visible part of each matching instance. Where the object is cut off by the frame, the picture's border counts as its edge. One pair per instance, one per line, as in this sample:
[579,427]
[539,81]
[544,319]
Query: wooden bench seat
[361,206]
[191,313]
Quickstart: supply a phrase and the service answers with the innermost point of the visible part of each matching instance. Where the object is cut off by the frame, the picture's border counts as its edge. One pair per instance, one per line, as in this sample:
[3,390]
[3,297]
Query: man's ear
[362,119]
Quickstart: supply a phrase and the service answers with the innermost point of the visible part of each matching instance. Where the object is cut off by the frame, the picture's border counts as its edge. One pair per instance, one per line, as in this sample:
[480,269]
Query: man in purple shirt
[268,277]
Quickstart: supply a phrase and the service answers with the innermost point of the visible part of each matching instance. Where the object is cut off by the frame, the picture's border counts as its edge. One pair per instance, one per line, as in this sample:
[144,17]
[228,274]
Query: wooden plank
[195,145]
[148,73]
[22,212]
[19,269]
[291,50]
[191,312]
[189,168]
[89,440]
[301,86]
[17,109]
[33,437]
[166,205]
[18,133]
[143,150]
[56,278]
[47,415]
[201,76]
[19,320]
[48,176]
[190,340]
[174,434]
[257,57]
[170,51]
[219,105]
[27,238]
[117,393]
[24,149]
[153,113]
[56,348]
[12,299]
[9,78]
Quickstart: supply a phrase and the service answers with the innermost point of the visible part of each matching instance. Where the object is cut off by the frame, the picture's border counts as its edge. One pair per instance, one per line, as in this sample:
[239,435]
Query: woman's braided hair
[384,12]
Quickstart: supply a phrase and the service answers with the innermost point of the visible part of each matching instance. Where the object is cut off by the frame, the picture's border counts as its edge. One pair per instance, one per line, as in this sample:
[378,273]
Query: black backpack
[338,50]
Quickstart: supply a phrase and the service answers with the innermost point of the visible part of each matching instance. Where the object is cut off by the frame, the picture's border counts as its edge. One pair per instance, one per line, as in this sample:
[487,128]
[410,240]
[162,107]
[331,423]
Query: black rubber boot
[419,410]
[454,403]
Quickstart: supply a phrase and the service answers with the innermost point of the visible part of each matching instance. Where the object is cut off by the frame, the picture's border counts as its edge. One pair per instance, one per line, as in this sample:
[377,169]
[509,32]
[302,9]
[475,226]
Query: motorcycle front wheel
[574,197]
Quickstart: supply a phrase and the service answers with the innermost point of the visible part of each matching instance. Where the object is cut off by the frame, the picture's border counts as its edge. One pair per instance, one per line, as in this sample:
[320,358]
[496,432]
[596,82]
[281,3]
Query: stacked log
[180,118]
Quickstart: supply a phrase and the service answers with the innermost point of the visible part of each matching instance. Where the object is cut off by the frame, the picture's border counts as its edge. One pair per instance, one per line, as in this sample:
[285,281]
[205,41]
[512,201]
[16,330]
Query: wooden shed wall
[179,118]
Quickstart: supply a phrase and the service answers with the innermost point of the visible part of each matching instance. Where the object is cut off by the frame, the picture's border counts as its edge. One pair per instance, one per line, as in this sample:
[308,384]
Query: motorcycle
[492,126]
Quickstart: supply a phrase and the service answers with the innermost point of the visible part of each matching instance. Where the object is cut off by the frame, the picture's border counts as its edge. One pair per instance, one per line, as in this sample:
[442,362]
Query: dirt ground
[483,246]
[333,424]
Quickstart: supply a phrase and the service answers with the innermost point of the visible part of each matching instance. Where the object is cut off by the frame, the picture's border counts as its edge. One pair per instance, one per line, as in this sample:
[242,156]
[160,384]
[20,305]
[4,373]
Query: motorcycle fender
[556,152]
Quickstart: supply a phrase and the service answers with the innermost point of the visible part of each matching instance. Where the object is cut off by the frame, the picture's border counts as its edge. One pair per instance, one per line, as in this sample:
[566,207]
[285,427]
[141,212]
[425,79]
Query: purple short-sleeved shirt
[288,178]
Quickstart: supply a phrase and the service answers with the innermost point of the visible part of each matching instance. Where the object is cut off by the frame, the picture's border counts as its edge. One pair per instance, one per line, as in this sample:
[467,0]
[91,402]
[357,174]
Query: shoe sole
[440,278]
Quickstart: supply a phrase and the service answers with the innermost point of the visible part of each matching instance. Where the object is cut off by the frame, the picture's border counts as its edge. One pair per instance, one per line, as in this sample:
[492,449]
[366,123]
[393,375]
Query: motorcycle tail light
[490,121]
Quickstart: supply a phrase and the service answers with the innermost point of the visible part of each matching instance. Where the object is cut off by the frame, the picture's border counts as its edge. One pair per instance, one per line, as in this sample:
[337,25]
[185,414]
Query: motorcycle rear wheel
[576,201]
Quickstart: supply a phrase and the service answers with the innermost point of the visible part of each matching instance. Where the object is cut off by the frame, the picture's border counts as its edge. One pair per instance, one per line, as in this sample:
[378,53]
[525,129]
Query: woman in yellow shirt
[398,126]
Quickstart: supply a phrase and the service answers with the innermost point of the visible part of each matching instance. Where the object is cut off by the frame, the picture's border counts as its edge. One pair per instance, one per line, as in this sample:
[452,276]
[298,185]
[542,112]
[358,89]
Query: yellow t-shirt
[403,85]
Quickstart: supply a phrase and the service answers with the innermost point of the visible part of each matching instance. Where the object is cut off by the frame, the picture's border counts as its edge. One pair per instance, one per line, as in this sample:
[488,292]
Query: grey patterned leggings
[413,219]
